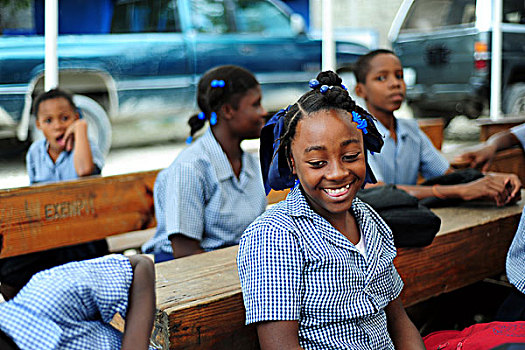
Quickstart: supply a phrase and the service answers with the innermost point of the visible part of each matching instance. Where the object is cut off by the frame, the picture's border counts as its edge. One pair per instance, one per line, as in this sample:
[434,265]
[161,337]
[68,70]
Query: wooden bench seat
[200,301]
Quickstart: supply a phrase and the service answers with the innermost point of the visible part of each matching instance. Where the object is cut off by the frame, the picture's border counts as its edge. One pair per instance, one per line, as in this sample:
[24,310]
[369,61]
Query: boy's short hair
[51,94]
[362,65]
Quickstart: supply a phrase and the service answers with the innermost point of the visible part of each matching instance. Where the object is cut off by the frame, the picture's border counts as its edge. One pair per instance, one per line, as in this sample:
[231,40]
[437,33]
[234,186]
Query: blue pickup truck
[134,64]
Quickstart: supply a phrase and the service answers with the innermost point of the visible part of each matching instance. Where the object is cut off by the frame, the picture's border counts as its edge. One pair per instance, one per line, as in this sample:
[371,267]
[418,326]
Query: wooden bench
[200,301]
[43,217]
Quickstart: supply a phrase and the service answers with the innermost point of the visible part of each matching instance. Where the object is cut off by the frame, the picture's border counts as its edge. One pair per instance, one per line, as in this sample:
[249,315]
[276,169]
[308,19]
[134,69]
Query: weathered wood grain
[200,296]
[42,217]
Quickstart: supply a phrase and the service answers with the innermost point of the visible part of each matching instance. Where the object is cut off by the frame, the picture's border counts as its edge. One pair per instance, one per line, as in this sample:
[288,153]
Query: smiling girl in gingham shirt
[317,269]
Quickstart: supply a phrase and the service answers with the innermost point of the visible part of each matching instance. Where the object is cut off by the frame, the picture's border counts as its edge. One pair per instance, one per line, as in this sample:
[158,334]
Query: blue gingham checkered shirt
[516,257]
[69,307]
[400,162]
[293,265]
[41,168]
[200,197]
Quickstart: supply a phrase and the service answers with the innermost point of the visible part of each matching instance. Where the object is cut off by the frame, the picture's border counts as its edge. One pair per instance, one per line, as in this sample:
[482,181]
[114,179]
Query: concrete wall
[375,14]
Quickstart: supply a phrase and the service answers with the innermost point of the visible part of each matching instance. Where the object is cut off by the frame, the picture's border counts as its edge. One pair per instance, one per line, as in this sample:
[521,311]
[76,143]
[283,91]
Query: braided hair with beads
[327,93]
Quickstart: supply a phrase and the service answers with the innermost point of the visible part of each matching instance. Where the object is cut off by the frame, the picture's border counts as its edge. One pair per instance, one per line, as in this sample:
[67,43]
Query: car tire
[99,127]
[514,99]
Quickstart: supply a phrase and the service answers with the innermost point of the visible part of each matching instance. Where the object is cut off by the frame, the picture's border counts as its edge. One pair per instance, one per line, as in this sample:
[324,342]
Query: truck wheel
[514,99]
[99,127]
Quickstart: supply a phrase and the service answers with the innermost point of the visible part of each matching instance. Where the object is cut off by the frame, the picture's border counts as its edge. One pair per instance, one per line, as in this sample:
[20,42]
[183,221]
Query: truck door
[257,35]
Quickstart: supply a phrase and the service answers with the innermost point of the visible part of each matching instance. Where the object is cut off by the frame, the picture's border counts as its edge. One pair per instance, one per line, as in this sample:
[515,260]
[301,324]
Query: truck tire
[514,99]
[99,127]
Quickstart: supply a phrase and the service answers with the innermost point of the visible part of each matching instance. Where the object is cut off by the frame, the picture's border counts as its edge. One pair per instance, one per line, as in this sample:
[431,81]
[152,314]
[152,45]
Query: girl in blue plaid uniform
[407,150]
[70,307]
[317,269]
[213,190]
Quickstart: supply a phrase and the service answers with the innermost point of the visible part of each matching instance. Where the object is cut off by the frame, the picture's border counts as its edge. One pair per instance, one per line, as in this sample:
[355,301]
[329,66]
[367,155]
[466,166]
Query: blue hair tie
[344,87]
[324,88]
[360,121]
[314,83]
[201,116]
[213,118]
[217,83]
[189,139]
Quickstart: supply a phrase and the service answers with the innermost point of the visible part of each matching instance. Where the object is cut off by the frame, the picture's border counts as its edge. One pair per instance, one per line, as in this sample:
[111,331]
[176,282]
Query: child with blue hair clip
[213,190]
[316,269]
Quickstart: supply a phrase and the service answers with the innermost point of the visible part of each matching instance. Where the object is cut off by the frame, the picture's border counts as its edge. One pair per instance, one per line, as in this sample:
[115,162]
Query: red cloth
[479,336]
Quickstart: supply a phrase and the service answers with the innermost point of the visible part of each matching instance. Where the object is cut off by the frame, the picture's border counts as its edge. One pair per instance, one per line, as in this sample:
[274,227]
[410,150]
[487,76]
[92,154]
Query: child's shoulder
[410,124]
[275,218]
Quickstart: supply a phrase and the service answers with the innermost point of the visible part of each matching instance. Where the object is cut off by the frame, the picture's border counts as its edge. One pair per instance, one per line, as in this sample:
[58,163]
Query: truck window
[145,16]
[428,15]
[513,11]
[17,18]
[256,16]
[210,16]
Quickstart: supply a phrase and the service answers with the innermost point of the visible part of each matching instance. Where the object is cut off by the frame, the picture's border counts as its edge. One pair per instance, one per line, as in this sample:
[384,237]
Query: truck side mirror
[297,24]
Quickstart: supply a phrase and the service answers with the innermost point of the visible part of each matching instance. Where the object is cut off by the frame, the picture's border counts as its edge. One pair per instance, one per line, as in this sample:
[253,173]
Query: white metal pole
[495,71]
[328,45]
[51,35]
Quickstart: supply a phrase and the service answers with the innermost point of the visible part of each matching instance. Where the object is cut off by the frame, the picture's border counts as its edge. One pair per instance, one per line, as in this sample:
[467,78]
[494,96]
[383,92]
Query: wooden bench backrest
[42,217]
[433,128]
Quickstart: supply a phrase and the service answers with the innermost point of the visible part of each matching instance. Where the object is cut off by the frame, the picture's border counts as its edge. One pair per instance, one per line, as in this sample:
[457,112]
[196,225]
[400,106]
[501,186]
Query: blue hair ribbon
[201,116]
[189,139]
[275,171]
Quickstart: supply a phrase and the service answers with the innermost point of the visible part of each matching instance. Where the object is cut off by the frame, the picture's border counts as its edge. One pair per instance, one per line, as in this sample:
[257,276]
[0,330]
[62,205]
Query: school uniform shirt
[200,197]
[41,168]
[294,265]
[69,307]
[515,265]
[400,162]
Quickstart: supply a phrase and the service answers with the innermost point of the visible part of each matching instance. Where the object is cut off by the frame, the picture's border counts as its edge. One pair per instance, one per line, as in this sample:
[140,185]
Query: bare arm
[401,329]
[498,187]
[483,154]
[76,137]
[279,335]
[141,304]
[183,246]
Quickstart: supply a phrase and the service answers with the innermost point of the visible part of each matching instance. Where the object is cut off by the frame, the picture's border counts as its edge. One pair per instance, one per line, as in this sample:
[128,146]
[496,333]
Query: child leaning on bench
[316,269]
[64,154]
[213,190]
[407,150]
[70,307]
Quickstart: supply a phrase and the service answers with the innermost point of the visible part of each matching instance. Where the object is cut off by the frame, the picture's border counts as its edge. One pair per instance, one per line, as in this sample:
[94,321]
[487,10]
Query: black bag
[457,177]
[412,224]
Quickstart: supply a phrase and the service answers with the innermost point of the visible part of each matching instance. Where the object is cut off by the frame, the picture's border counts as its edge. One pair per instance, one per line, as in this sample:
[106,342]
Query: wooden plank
[464,252]
[129,240]
[200,299]
[433,128]
[42,217]
[491,127]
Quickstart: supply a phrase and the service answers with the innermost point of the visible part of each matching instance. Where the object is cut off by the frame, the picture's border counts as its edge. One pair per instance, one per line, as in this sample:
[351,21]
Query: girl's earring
[213,118]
